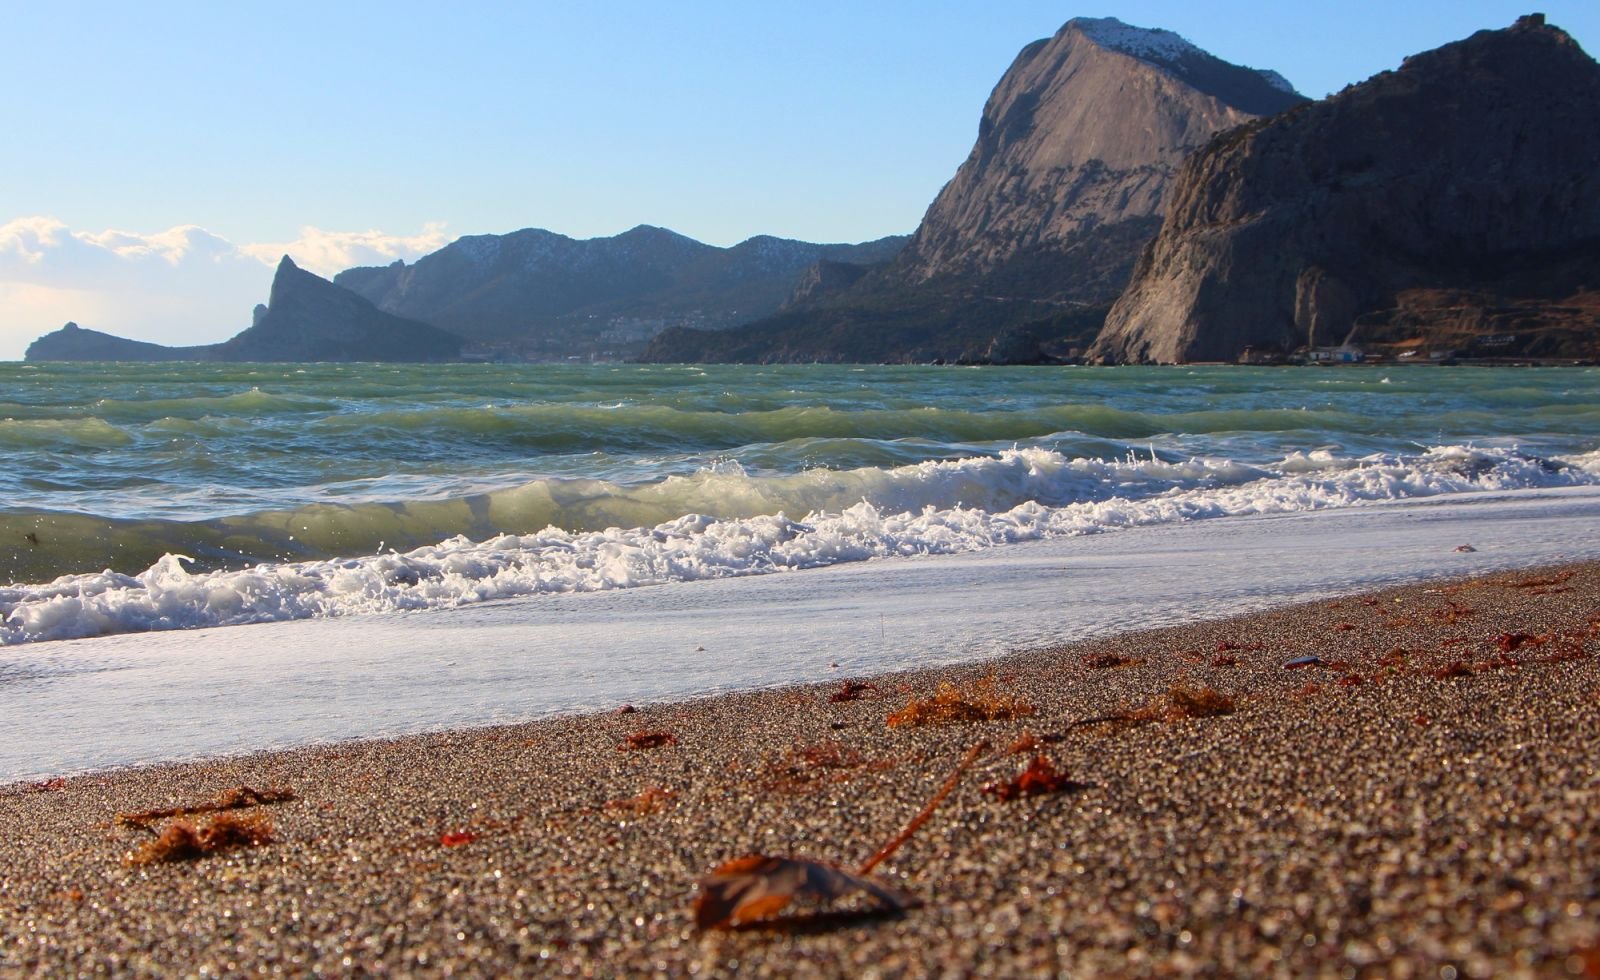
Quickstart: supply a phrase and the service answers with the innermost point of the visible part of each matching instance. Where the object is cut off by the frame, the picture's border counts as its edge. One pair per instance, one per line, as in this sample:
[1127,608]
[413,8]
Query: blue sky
[350,132]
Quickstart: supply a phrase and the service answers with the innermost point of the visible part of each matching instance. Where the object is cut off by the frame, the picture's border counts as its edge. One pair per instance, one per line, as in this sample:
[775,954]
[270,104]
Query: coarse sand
[1418,798]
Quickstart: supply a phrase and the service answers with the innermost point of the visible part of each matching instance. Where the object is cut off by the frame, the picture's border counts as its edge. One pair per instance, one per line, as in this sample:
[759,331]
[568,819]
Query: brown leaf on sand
[1040,777]
[756,888]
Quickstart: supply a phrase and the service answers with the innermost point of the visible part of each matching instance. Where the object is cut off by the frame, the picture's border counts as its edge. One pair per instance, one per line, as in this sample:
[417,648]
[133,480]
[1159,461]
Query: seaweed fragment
[640,741]
[1187,701]
[852,690]
[237,798]
[1104,661]
[950,705]
[182,841]
[803,768]
[1509,642]
[1180,702]
[1038,778]
[1537,581]
[652,799]
[1024,743]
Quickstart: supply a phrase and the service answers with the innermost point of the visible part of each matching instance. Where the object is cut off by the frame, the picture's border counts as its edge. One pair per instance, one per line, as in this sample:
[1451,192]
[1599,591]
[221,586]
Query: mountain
[74,343]
[307,318]
[534,292]
[1084,133]
[1452,203]
[1040,227]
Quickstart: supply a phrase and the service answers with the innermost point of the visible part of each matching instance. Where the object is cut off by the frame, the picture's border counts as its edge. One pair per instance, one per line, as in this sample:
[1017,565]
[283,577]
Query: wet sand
[1422,800]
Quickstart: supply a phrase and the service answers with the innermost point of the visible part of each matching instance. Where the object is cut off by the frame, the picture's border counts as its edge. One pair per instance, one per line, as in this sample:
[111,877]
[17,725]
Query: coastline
[1385,812]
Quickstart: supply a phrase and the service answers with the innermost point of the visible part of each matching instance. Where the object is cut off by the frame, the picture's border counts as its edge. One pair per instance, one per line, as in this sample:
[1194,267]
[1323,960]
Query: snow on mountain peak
[1141,42]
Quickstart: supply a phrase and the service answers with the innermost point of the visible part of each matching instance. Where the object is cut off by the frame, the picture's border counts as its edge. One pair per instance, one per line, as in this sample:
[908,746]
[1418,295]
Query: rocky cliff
[1083,133]
[309,318]
[1041,225]
[1471,167]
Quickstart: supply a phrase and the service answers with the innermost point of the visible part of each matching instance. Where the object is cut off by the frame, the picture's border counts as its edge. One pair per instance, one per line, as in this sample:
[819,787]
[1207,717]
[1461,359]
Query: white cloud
[330,252]
[183,285]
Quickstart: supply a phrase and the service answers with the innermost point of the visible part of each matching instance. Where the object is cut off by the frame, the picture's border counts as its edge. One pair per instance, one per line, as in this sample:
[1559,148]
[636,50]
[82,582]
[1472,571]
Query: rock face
[309,318]
[1083,134]
[1040,227]
[1472,167]
[824,279]
[550,292]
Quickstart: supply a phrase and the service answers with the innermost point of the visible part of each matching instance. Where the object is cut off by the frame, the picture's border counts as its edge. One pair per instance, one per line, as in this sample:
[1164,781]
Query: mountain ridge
[534,291]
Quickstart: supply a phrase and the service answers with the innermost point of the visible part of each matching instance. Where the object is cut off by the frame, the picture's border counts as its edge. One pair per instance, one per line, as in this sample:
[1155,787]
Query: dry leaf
[755,888]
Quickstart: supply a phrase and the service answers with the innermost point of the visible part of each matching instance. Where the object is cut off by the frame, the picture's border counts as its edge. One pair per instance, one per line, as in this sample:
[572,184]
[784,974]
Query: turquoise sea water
[442,484]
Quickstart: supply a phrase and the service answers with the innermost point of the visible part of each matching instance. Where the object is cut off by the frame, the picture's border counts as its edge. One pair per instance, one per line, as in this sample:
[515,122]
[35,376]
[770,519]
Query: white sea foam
[930,508]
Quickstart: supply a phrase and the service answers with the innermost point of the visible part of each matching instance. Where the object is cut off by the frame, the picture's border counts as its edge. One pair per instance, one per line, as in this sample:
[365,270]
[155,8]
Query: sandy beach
[1417,800]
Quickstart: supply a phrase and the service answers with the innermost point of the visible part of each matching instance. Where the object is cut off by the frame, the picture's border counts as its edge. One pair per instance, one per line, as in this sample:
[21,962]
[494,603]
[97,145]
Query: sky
[159,157]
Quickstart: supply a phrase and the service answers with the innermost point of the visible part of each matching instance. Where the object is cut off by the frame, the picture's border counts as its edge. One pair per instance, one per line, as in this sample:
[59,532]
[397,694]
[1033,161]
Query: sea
[241,556]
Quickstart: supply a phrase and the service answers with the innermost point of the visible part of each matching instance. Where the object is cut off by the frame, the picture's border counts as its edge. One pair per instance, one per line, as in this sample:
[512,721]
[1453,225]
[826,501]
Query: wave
[254,403]
[566,427]
[720,523]
[54,434]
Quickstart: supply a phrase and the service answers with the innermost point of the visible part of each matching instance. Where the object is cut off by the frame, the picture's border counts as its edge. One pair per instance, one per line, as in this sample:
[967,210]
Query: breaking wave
[720,522]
